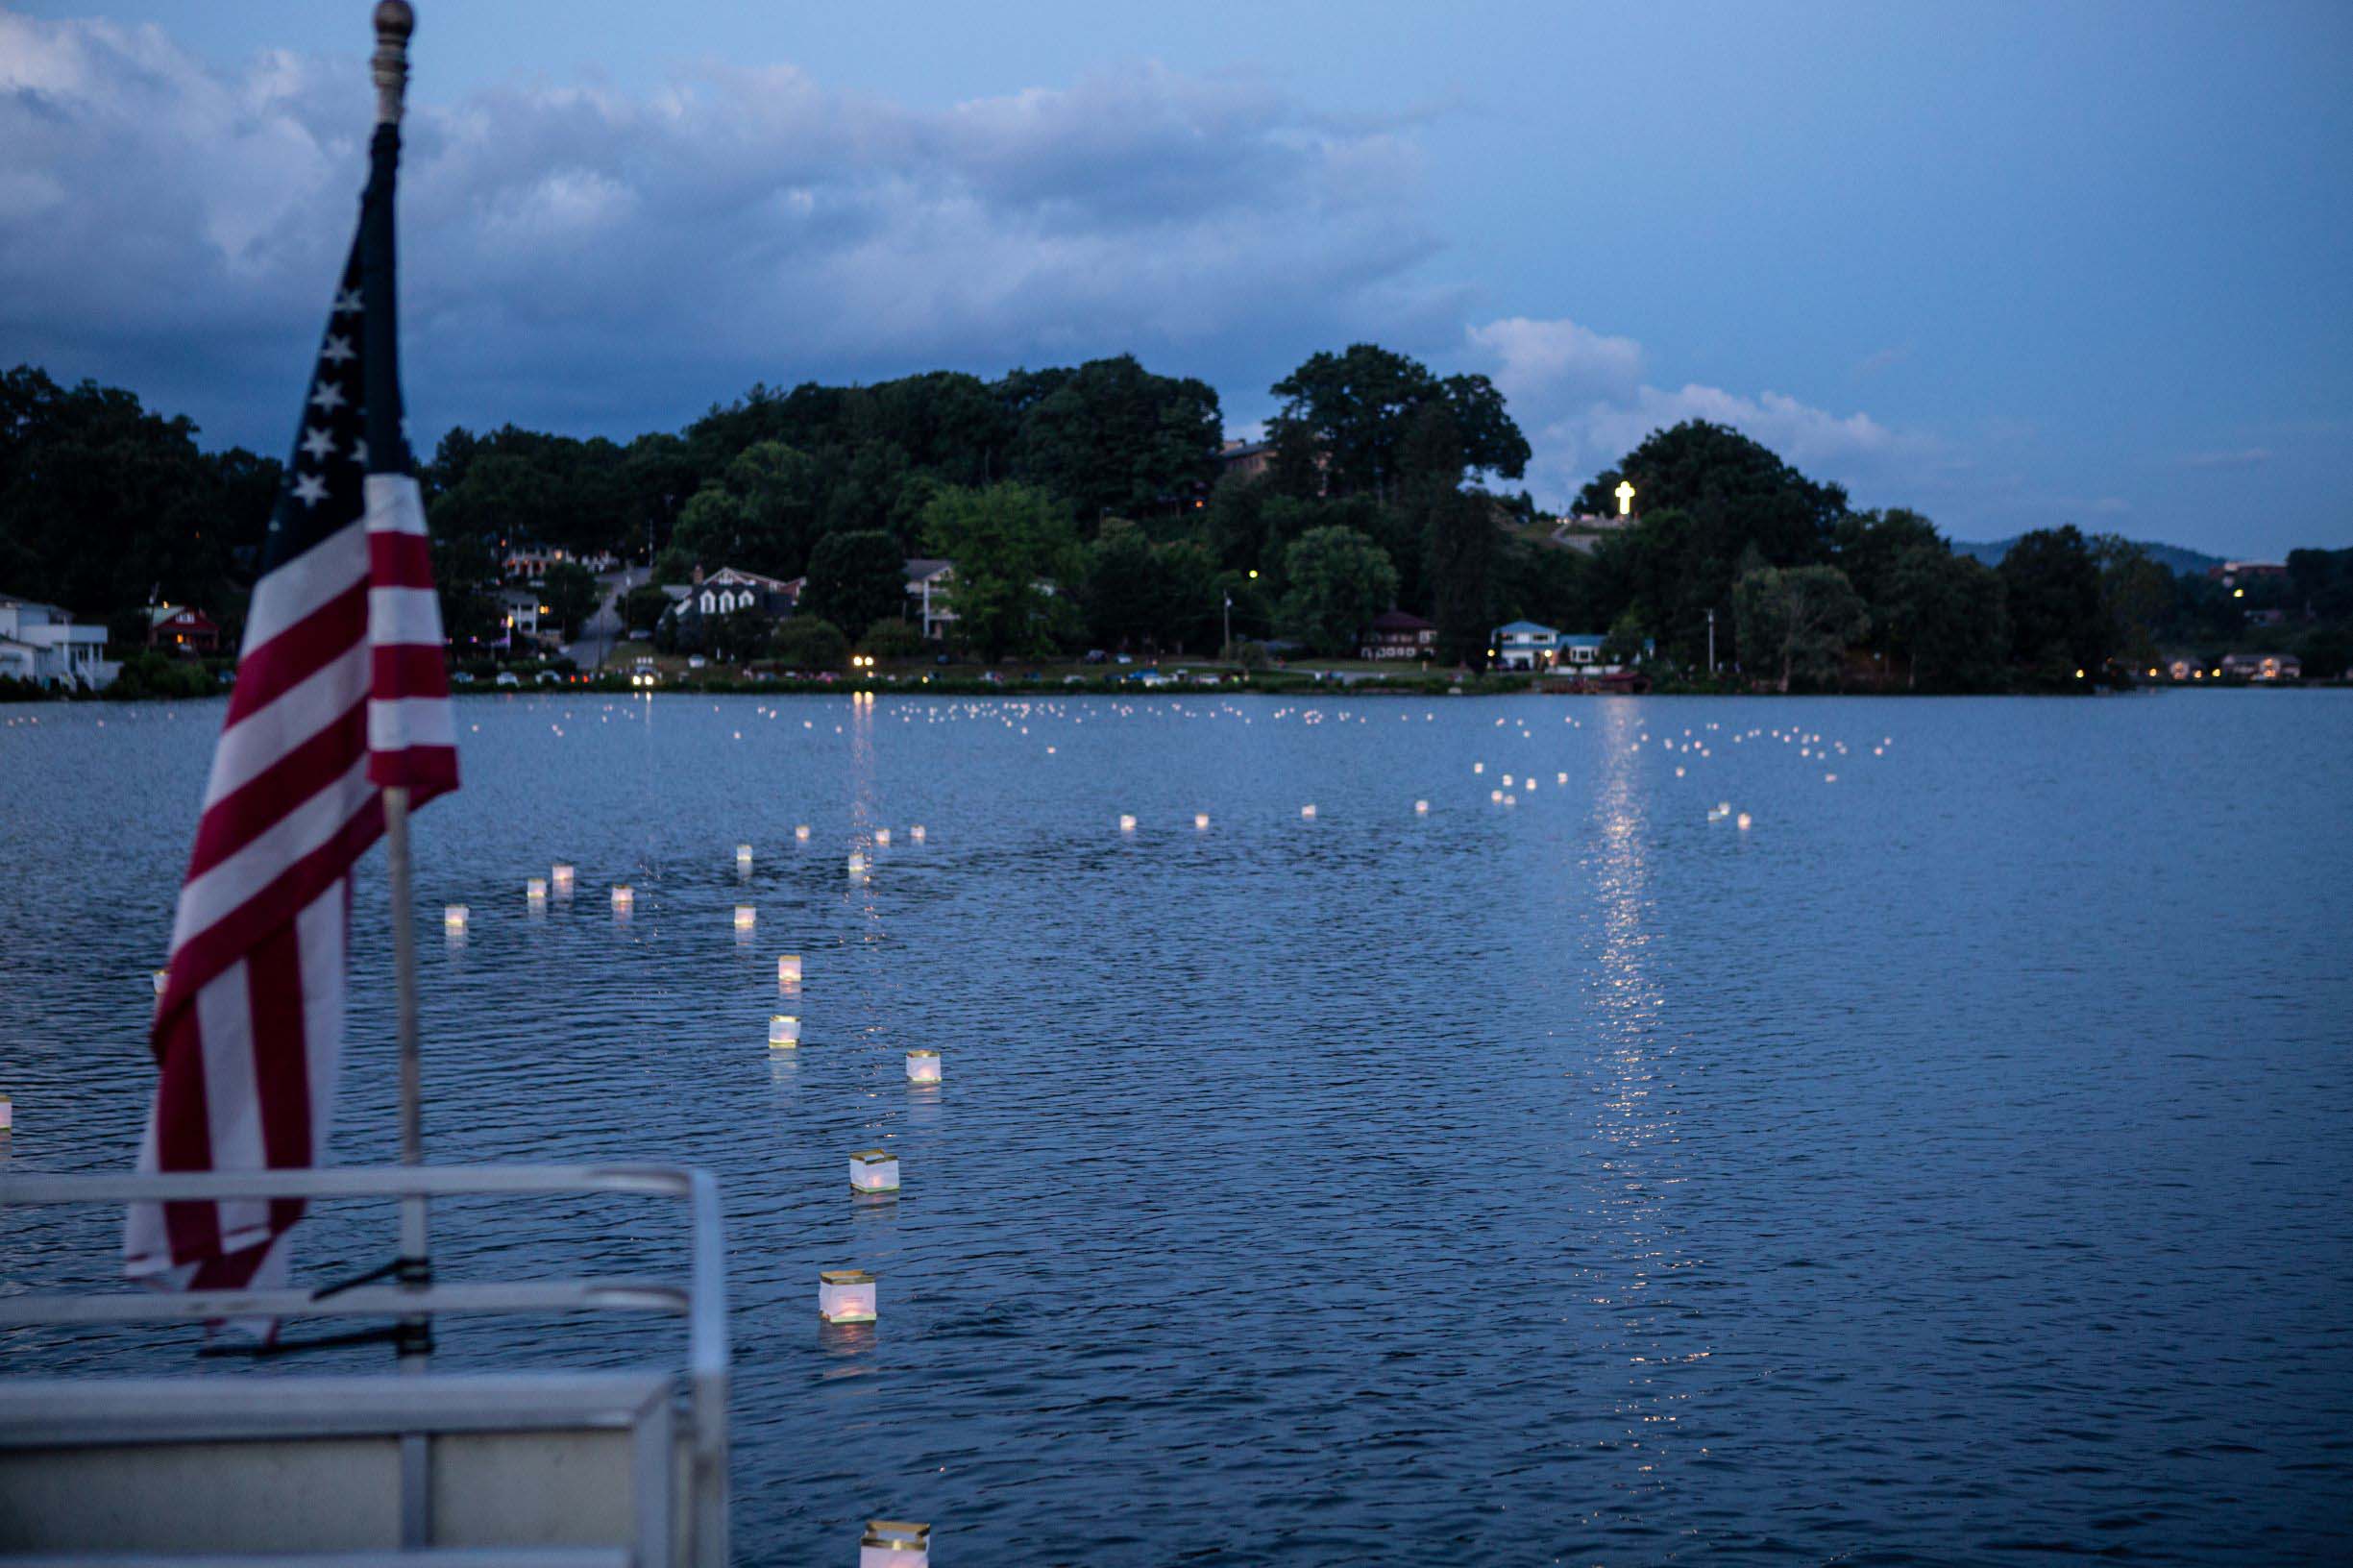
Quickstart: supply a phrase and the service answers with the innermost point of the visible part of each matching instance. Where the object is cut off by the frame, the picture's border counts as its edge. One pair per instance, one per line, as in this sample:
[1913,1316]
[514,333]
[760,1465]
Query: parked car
[1124,659]
[507,678]
[549,678]
[1094,655]
[461,679]
[639,634]
[697,662]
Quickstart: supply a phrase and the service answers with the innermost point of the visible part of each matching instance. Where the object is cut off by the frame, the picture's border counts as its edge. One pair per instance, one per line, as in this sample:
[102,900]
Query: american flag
[340,694]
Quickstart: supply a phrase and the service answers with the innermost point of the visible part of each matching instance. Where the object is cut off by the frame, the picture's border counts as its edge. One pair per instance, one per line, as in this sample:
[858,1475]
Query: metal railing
[701,1301]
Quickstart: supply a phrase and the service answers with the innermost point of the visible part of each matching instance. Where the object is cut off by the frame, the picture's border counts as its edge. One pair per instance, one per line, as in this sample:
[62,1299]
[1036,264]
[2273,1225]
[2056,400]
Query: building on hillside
[1523,644]
[523,608]
[2262,667]
[40,642]
[931,586]
[2231,573]
[1399,634]
[528,563]
[1245,460]
[724,592]
[182,628]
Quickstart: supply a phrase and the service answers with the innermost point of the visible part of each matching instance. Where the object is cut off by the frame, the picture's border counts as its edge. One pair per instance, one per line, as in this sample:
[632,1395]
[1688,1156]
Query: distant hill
[2186,563]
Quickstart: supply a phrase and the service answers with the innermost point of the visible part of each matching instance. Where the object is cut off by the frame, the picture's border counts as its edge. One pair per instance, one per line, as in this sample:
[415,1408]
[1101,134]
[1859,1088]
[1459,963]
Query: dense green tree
[856,578]
[1797,621]
[1111,437]
[1945,617]
[1348,414]
[643,607]
[738,636]
[892,638]
[2058,620]
[1462,547]
[758,515]
[810,642]
[1016,556]
[1340,579]
[571,594]
[1122,585]
[2137,594]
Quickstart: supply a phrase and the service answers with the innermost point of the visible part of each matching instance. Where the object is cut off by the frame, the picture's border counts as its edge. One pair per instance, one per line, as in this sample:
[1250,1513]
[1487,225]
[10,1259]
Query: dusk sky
[2013,265]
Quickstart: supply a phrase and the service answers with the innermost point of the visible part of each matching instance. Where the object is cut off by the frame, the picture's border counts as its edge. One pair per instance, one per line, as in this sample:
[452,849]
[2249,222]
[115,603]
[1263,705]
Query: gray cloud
[591,259]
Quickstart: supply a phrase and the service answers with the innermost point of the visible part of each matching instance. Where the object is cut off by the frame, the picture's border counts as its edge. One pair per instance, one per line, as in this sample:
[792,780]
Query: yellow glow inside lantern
[896,1543]
[625,899]
[453,917]
[801,832]
[845,1295]
[535,889]
[788,969]
[916,832]
[743,854]
[923,1067]
[873,1170]
[857,863]
[1201,818]
[560,875]
[783,1031]
[747,915]
[882,837]
[1743,822]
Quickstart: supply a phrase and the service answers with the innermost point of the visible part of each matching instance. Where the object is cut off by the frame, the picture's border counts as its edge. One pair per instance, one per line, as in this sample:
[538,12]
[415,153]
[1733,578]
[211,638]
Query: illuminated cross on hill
[1625,497]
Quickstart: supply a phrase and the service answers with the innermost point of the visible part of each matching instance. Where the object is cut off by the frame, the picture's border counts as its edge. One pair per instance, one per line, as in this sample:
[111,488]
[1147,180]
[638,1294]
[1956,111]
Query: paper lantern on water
[1308,813]
[162,977]
[1127,824]
[801,833]
[916,832]
[895,1543]
[453,918]
[873,1170]
[560,875]
[1201,818]
[625,899]
[1743,823]
[1561,778]
[1830,778]
[747,915]
[535,889]
[743,854]
[788,969]
[923,1067]
[1421,808]
[1496,796]
[845,1295]
[882,837]
[783,1031]
[1478,767]
[7,1113]
[857,864]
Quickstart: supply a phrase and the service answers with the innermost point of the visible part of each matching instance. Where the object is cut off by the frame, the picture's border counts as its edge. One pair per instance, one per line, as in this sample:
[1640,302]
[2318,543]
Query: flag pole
[395,21]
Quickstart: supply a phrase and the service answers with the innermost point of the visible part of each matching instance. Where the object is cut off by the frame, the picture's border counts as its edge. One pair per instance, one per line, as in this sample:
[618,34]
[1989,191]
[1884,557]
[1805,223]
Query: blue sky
[2013,265]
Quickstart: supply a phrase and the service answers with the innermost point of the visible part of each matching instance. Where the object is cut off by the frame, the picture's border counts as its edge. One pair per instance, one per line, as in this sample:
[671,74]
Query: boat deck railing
[700,1298]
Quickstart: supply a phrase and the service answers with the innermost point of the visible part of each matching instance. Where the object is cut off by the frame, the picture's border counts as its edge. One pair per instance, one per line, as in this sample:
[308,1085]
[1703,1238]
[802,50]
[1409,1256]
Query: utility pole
[1225,650]
[1711,642]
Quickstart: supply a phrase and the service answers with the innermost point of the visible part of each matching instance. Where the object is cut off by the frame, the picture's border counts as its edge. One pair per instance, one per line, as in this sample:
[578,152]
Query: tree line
[1084,507]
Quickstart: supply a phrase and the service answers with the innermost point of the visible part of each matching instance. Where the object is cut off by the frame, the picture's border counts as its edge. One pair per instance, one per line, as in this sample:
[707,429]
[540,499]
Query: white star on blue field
[2011,264]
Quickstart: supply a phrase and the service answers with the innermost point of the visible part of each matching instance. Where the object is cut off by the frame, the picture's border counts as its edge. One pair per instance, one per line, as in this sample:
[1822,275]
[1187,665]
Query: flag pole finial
[395,21]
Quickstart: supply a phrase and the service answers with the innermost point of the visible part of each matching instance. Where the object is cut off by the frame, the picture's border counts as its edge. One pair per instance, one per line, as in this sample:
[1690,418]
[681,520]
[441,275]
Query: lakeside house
[1399,634]
[182,628]
[2261,667]
[724,592]
[520,609]
[1578,648]
[1245,460]
[1523,644]
[42,642]
[931,585]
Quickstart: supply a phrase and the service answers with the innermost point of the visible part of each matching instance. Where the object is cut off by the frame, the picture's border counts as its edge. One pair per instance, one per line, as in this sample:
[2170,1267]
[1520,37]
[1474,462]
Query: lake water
[1952,1166]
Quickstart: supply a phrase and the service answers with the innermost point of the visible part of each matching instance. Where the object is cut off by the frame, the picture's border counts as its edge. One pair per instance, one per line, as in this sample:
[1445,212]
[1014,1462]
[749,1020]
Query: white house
[930,583]
[1523,644]
[1578,648]
[40,642]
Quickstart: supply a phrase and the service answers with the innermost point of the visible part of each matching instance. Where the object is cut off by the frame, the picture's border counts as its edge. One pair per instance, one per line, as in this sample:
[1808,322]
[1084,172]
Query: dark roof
[1400,621]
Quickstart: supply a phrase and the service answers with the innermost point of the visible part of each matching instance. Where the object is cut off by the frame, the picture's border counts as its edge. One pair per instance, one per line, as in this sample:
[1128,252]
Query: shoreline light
[535,890]
[453,918]
[923,1067]
[845,1295]
[788,969]
[783,1031]
[747,915]
[624,898]
[895,1543]
[560,875]
[873,1170]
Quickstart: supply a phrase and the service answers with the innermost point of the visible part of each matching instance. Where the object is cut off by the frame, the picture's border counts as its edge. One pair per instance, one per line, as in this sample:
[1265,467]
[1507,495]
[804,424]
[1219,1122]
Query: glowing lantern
[801,833]
[1561,778]
[1201,818]
[7,1113]
[1830,778]
[1507,781]
[783,1031]
[1496,796]
[1743,822]
[895,1543]
[560,875]
[788,969]
[916,832]
[1308,813]
[162,977]
[923,1067]
[857,864]
[882,837]
[747,915]
[535,889]
[743,857]
[1478,767]
[845,1295]
[1127,824]
[1421,808]
[625,899]
[873,1170]
[1679,772]
[453,918]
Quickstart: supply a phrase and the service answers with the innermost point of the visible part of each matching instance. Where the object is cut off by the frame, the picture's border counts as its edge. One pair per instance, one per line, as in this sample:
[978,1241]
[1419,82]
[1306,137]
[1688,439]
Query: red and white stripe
[340,693]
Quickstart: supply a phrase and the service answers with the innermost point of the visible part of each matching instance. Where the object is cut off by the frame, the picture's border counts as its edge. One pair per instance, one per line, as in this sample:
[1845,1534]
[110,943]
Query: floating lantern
[857,863]
[1830,778]
[895,1543]
[1496,796]
[873,1170]
[788,969]
[1679,772]
[1127,824]
[783,1031]
[1308,813]
[916,832]
[453,918]
[625,899]
[1561,778]
[560,875]
[801,833]
[1201,819]
[1743,822]
[1421,808]
[923,1067]
[747,915]
[162,978]
[1478,767]
[535,889]
[1507,781]
[845,1295]
[7,1113]
[743,856]
[882,837]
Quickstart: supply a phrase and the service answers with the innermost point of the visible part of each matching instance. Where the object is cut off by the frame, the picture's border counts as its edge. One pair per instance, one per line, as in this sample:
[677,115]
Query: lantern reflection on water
[873,1170]
[895,1543]
[845,1295]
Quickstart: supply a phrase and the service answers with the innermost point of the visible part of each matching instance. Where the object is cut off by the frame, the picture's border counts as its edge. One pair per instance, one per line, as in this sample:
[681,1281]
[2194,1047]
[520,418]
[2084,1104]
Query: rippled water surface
[1953,1167]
